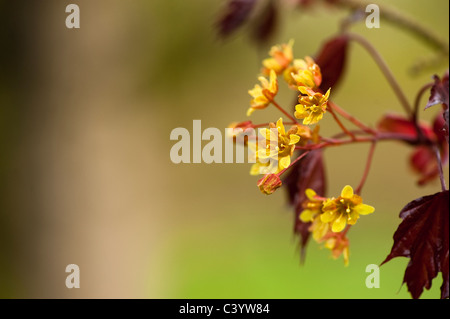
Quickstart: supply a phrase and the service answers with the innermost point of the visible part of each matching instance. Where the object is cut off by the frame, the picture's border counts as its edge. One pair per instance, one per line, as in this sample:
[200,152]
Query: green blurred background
[86,177]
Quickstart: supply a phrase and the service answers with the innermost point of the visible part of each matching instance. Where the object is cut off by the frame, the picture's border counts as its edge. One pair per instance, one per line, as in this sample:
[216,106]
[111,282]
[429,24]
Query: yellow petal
[273,86]
[250,111]
[328,216]
[319,230]
[307,215]
[310,193]
[256,91]
[308,120]
[264,82]
[346,253]
[364,209]
[285,162]
[352,217]
[347,192]
[280,126]
[294,139]
[339,224]
[255,169]
[303,90]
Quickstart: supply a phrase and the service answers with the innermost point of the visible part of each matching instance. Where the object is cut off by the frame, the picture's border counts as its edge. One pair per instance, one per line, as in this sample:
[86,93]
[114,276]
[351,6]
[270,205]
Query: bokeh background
[85,173]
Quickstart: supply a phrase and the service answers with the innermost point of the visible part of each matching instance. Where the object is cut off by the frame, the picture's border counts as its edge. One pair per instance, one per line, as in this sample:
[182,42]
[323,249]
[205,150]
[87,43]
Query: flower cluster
[275,143]
[330,216]
[302,75]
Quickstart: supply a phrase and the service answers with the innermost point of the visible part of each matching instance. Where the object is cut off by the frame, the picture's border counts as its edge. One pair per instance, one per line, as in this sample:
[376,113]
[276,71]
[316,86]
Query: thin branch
[367,168]
[384,69]
[338,121]
[351,118]
[401,20]
[284,111]
[437,153]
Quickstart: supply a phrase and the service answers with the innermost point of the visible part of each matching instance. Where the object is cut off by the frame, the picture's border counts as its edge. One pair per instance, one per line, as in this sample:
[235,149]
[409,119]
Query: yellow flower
[303,73]
[311,207]
[312,105]
[306,134]
[319,229]
[278,145]
[262,96]
[281,58]
[338,244]
[344,210]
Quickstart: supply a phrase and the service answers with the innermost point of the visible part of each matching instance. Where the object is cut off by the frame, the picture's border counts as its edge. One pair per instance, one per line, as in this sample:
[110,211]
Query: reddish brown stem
[369,139]
[351,118]
[439,164]
[338,121]
[382,65]
[284,111]
[293,163]
[367,169]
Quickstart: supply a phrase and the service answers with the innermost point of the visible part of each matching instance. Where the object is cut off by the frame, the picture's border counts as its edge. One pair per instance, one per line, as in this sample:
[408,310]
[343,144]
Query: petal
[256,91]
[250,111]
[294,139]
[346,253]
[255,169]
[339,224]
[347,192]
[328,216]
[310,193]
[309,119]
[307,215]
[273,86]
[264,82]
[364,209]
[319,230]
[353,217]
[280,126]
[285,162]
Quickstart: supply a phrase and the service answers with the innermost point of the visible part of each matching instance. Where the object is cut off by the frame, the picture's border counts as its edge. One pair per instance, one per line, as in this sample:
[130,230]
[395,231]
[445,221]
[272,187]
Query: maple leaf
[309,173]
[423,159]
[332,60]
[440,95]
[235,15]
[423,236]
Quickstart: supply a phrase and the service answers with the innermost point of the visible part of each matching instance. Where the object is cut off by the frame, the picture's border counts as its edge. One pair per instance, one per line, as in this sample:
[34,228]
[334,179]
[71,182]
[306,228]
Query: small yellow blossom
[281,58]
[312,105]
[312,207]
[319,229]
[344,210]
[278,145]
[262,96]
[303,73]
[338,244]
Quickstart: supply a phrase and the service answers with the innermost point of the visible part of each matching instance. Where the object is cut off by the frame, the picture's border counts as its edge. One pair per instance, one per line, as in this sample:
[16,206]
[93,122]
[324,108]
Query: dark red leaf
[393,123]
[423,159]
[235,15]
[265,24]
[439,92]
[440,95]
[332,59]
[309,173]
[423,237]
